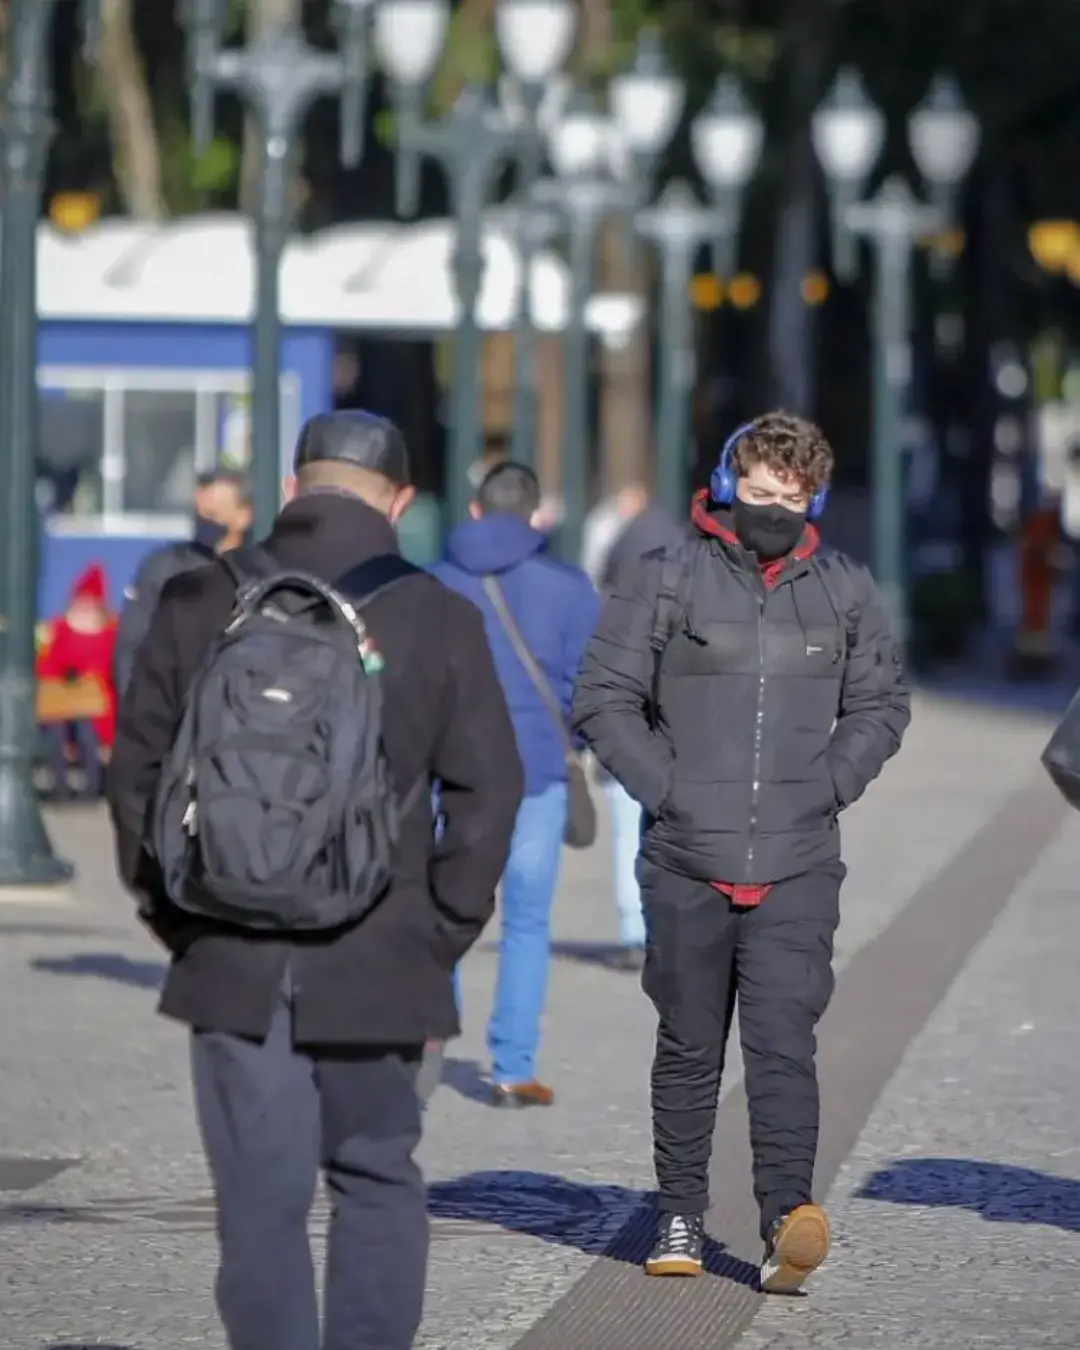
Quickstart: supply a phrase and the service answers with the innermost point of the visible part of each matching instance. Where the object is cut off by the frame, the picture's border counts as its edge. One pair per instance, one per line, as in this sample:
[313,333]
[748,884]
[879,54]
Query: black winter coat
[781,696]
[387,980]
[142,596]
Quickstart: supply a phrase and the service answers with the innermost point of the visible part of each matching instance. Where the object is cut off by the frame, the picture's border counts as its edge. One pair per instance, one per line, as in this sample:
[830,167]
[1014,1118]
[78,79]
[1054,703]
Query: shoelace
[682,1235]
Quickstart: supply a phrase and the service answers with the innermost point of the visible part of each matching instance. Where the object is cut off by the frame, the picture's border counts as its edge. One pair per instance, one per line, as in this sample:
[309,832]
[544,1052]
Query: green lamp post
[727,137]
[472,144]
[279,76]
[892,221]
[582,196]
[678,226]
[26,853]
[848,133]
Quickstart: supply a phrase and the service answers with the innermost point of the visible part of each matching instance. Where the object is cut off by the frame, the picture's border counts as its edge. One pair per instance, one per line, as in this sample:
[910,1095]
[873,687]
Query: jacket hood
[493,544]
[717,525]
[90,585]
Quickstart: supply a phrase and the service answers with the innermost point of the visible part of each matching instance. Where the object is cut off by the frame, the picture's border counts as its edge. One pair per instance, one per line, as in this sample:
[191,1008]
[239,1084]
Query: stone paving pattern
[117,1250]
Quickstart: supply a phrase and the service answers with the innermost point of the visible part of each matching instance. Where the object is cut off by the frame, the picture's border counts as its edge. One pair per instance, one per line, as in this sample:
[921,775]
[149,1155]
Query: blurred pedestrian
[314,923]
[745,688]
[223,516]
[644,525]
[538,614]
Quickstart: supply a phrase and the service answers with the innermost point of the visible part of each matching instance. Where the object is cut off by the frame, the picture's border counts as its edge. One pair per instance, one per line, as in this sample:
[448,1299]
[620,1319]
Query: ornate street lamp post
[678,226]
[582,195]
[26,853]
[646,104]
[848,135]
[279,77]
[471,144]
[727,137]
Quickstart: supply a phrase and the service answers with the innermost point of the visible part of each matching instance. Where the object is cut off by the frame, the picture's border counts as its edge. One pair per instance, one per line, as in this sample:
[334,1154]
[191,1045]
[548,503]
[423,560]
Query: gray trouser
[271,1116]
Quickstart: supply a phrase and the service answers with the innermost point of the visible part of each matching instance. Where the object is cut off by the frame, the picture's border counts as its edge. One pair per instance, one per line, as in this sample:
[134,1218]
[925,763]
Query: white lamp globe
[943,134]
[727,136]
[535,36]
[848,131]
[578,144]
[647,99]
[409,36]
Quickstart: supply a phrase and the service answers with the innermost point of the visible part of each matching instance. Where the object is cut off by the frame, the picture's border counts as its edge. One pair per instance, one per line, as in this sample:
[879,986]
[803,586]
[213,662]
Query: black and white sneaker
[797,1244]
[679,1244]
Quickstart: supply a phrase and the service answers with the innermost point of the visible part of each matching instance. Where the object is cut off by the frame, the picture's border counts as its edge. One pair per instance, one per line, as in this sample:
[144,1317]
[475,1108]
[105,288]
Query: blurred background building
[862,212]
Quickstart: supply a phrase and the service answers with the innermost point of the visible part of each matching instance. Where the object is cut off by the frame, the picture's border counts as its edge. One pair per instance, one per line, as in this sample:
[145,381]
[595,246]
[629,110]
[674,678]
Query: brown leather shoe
[515,1095]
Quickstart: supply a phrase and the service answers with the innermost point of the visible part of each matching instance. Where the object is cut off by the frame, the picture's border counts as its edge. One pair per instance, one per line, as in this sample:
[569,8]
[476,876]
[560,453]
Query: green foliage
[214,171]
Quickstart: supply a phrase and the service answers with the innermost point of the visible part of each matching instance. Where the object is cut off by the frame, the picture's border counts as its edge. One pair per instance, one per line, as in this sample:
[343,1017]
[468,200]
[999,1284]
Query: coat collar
[340,529]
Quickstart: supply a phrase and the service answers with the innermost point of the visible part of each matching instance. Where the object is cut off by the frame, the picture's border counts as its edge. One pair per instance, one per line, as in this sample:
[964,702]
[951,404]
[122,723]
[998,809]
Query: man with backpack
[222,520]
[271,795]
[745,688]
[539,614]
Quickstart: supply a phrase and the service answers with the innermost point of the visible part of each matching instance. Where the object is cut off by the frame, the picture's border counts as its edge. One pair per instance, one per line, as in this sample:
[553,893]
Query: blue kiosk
[144,359]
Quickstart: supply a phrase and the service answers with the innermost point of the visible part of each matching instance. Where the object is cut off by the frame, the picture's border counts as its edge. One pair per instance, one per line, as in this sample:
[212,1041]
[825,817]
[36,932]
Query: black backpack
[275,810]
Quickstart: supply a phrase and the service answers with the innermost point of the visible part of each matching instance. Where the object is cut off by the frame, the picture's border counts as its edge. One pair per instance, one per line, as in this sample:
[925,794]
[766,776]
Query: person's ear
[403,499]
[288,488]
[475,510]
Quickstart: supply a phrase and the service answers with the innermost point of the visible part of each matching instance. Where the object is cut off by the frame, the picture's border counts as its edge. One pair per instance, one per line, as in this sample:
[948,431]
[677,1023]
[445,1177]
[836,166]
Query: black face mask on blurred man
[209,533]
[769,531]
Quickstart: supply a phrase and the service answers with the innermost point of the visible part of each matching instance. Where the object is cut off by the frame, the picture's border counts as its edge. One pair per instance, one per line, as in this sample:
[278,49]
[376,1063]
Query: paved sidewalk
[117,1248]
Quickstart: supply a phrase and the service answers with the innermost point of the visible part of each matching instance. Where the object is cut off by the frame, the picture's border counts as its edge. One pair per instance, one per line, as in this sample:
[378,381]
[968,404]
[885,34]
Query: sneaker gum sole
[801,1246]
[673,1265]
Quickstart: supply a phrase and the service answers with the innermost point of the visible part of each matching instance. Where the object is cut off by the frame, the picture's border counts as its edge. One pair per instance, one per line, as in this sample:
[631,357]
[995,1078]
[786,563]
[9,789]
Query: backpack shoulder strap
[249,563]
[670,607]
[362,583]
[669,599]
[835,573]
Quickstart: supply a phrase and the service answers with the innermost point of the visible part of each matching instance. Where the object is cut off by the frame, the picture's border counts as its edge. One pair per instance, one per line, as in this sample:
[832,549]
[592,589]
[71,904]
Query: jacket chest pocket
[730,648]
[791,649]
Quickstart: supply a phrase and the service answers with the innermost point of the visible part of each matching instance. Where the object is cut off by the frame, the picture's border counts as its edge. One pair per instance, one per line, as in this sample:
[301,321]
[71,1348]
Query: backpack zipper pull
[190,820]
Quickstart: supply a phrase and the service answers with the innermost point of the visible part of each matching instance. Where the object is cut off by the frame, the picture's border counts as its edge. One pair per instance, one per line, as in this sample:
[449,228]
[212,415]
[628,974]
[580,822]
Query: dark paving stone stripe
[23,1174]
[883,1000]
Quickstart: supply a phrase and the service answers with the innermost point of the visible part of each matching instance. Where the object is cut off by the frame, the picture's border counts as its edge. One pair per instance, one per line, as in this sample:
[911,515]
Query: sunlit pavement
[956,1211]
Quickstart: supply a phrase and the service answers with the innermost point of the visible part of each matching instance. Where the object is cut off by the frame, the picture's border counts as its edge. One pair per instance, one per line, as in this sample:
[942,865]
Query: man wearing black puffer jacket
[745,688]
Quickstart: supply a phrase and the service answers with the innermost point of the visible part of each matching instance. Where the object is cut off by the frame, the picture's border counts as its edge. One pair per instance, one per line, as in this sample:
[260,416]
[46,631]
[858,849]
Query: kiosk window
[160,432]
[71,441]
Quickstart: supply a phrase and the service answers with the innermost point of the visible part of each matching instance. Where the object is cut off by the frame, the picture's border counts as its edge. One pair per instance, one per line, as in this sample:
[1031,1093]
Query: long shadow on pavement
[597,1219]
[998,1192]
[105,966]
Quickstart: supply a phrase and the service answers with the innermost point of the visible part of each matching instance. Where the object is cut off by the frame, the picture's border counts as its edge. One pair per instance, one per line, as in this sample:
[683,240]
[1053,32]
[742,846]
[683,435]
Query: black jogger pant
[271,1116]
[703,953]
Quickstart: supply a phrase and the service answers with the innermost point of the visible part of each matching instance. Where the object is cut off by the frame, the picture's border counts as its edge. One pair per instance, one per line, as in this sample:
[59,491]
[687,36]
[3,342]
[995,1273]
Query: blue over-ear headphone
[724,479]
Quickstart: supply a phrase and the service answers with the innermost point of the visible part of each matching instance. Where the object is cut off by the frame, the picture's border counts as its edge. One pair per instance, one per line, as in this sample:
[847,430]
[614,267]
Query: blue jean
[528,890]
[626,838]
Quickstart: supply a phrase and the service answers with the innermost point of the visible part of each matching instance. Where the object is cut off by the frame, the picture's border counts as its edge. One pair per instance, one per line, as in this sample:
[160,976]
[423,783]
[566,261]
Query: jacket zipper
[759,720]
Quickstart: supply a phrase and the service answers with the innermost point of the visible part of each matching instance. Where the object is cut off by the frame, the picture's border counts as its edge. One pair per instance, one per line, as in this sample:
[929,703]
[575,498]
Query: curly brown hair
[788,446]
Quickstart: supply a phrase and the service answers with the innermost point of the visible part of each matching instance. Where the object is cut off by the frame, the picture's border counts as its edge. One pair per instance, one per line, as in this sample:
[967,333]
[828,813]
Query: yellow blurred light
[706,291]
[1072,265]
[951,242]
[814,288]
[74,211]
[1053,242]
[744,291]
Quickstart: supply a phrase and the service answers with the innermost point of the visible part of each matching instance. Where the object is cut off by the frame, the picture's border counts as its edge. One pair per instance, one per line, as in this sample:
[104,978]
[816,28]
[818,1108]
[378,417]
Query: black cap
[354,437]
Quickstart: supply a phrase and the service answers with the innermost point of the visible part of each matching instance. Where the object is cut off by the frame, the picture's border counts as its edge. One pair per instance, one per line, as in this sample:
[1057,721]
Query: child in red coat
[81,644]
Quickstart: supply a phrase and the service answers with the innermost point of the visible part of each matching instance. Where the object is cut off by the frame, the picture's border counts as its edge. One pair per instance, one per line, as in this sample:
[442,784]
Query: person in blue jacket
[553,608]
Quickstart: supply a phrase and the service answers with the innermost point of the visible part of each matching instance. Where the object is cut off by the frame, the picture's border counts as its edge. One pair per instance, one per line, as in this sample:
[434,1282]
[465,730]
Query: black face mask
[769,532]
[209,533]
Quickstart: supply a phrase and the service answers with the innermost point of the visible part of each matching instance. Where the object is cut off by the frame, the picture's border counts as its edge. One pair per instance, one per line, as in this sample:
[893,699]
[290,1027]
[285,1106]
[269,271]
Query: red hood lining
[708,523]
